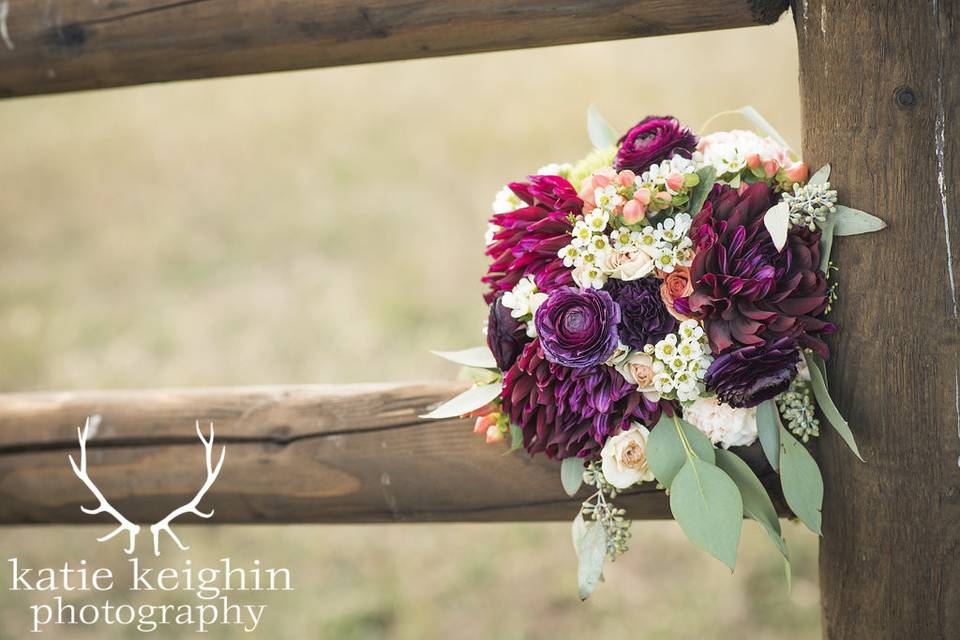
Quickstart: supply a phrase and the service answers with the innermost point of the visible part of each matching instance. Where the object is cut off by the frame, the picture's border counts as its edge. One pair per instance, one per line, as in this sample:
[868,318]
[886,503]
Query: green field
[327,226]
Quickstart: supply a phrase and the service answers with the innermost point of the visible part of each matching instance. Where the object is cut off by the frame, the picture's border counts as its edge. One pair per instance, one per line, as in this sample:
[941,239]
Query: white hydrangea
[723,424]
[491,230]
[727,151]
[562,169]
[506,201]
[524,299]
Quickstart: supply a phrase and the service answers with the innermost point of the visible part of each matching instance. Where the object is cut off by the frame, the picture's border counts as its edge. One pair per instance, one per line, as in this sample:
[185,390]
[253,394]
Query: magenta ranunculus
[747,292]
[644,318]
[578,327]
[747,376]
[506,335]
[652,140]
[566,412]
[530,237]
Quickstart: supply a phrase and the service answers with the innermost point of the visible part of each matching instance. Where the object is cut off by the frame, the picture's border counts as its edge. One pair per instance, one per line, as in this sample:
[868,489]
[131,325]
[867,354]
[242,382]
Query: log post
[881,102]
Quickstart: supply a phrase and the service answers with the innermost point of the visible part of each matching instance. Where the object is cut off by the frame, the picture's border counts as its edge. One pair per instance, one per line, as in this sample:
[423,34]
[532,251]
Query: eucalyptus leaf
[665,452]
[829,409]
[591,552]
[516,439]
[756,501]
[801,481]
[571,475]
[480,376]
[479,357]
[601,134]
[821,176]
[578,529]
[707,504]
[850,222]
[826,242]
[470,400]
[768,428]
[699,193]
[777,222]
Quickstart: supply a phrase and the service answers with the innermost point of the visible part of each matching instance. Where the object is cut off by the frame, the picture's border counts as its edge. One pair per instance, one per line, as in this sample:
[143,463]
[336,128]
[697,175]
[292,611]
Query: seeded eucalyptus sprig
[600,508]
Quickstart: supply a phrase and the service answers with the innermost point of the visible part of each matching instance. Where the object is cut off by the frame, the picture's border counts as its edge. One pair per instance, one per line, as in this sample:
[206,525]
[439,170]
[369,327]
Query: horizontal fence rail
[338,453]
[70,45]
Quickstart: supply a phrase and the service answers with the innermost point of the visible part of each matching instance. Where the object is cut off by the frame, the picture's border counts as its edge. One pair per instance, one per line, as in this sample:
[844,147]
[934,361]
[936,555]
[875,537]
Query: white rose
[722,423]
[625,458]
[628,265]
[639,369]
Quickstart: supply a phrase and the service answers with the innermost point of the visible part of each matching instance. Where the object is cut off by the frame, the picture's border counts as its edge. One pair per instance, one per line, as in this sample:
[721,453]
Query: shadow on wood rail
[70,45]
[313,454]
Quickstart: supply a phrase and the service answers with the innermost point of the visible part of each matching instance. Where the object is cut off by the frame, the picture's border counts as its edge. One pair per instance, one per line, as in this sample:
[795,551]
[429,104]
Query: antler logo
[133,530]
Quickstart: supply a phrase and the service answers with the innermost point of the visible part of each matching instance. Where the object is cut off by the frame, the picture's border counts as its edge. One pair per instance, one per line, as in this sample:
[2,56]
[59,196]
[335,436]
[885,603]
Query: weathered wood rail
[339,453]
[69,45]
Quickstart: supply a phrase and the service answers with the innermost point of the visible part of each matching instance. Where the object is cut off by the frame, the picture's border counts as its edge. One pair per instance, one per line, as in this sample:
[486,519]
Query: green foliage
[591,546]
[479,357]
[756,501]
[768,428]
[801,481]
[666,454]
[571,475]
[707,505]
[850,222]
[707,176]
[601,134]
[819,384]
[470,400]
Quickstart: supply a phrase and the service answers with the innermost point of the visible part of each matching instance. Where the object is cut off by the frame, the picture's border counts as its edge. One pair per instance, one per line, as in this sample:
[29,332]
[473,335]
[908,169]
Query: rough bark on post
[881,103]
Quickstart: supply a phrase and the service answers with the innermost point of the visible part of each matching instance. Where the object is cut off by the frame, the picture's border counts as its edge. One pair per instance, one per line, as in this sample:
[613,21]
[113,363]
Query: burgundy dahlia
[652,140]
[530,237]
[577,327]
[747,292]
[566,412]
[747,376]
[644,318]
[506,335]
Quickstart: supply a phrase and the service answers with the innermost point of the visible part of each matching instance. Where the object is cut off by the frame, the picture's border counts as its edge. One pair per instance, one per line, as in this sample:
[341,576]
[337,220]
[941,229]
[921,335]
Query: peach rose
[676,284]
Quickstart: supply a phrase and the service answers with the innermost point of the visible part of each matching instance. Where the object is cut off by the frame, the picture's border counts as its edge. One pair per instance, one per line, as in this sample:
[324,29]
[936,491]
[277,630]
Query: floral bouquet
[653,308]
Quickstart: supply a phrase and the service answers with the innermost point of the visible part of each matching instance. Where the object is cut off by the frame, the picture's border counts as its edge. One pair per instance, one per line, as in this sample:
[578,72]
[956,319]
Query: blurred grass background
[327,226]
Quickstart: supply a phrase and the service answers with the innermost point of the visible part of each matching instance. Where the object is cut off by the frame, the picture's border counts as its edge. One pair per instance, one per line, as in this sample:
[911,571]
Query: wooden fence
[880,101]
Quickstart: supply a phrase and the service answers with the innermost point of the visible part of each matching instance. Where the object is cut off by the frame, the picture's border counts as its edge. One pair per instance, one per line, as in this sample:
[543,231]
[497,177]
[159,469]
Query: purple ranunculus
[578,327]
[652,140]
[644,318]
[749,375]
[506,335]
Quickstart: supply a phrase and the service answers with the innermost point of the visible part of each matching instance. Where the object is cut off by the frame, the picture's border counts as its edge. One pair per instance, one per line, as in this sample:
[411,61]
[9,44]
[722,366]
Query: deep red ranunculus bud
[506,335]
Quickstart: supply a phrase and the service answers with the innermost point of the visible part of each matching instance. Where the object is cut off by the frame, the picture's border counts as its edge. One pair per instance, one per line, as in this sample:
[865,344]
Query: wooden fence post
[881,102]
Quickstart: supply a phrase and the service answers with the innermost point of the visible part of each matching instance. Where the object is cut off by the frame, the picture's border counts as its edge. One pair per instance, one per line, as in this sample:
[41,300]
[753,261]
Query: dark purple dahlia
[566,412]
[747,292]
[530,237]
[506,335]
[644,318]
[747,376]
[652,140]
[577,327]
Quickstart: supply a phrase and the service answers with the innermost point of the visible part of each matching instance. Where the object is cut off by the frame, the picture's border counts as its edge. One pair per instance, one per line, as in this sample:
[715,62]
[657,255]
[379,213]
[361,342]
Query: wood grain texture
[69,45]
[881,103]
[349,453]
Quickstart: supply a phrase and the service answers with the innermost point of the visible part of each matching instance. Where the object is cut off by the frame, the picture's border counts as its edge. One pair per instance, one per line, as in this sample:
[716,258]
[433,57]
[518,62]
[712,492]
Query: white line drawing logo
[133,530]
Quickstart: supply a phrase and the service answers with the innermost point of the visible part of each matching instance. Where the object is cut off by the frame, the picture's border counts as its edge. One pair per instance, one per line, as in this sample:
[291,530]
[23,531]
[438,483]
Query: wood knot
[905,97]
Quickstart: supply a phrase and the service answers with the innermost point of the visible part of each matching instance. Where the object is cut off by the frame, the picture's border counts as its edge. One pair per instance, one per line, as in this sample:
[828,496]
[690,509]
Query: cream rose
[628,265]
[624,458]
[722,423]
[638,370]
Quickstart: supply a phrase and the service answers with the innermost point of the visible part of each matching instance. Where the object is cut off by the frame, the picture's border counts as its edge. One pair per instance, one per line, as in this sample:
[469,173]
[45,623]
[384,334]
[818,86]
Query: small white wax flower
[624,458]
[597,220]
[723,424]
[581,234]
